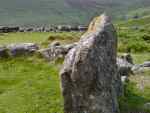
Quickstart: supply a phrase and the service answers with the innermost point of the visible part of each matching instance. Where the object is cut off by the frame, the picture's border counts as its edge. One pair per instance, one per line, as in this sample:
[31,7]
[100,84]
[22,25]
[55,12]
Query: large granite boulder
[89,73]
[22,49]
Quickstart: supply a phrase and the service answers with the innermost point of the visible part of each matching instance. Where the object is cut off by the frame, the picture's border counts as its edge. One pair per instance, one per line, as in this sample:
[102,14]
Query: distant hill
[141,12]
[62,11]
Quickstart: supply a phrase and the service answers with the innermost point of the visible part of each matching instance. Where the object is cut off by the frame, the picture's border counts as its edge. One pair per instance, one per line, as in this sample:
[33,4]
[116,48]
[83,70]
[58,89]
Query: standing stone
[90,69]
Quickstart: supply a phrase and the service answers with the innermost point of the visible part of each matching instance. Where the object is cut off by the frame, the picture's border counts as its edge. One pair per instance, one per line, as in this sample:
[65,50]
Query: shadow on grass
[132,101]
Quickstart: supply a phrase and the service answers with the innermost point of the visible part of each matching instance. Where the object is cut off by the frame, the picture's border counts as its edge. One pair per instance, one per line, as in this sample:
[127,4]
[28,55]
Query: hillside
[140,22]
[62,11]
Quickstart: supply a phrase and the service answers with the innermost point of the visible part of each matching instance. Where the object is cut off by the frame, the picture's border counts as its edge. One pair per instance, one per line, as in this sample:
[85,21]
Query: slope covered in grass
[41,38]
[141,12]
[29,85]
[140,22]
[62,11]
[134,35]
[134,40]
[137,93]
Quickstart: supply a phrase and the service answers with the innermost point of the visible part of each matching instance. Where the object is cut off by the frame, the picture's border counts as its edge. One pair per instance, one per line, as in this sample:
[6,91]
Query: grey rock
[140,68]
[82,28]
[69,46]
[124,67]
[146,64]
[124,70]
[66,28]
[147,106]
[89,72]
[127,57]
[5,29]
[53,53]
[22,49]
[46,53]
[56,50]
[137,68]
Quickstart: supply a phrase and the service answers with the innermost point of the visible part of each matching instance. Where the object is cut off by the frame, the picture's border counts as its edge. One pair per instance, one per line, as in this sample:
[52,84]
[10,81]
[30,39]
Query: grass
[137,89]
[137,94]
[8,38]
[29,85]
[133,40]
[137,22]
[39,38]
[139,58]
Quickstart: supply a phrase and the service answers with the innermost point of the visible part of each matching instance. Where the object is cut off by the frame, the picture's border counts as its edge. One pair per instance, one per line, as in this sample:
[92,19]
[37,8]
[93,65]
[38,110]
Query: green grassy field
[8,38]
[31,85]
[41,38]
[137,93]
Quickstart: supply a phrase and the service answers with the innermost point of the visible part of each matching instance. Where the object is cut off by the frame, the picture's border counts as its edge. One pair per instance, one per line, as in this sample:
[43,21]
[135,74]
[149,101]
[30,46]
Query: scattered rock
[137,69]
[69,46]
[22,49]
[146,64]
[53,53]
[124,64]
[56,50]
[89,72]
[140,68]
[127,57]
[124,67]
[147,106]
